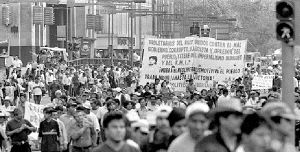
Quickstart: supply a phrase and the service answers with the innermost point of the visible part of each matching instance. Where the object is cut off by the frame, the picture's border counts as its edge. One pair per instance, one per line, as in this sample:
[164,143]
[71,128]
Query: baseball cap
[196,107]
[163,111]
[142,124]
[71,104]
[87,105]
[49,110]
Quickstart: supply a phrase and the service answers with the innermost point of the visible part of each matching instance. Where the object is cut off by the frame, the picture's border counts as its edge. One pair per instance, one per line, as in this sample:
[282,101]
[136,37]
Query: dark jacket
[213,143]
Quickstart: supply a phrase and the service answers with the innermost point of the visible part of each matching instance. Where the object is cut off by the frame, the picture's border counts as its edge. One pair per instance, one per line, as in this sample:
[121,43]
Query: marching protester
[114,125]
[197,126]
[228,119]
[210,105]
[82,133]
[49,133]
[18,130]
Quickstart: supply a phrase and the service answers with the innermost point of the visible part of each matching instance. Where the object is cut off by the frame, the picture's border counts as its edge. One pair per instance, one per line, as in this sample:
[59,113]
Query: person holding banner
[18,130]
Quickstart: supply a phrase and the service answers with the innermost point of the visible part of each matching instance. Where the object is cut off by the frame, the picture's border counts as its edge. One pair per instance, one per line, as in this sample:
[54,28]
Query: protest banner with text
[261,82]
[205,60]
[34,113]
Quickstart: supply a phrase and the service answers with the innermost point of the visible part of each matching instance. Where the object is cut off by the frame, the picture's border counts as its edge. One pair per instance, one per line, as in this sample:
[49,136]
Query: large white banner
[205,60]
[261,82]
[34,113]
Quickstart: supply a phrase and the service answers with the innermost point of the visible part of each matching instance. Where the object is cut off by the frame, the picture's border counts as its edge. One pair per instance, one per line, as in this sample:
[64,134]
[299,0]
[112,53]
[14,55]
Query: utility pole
[131,36]
[287,30]
[140,31]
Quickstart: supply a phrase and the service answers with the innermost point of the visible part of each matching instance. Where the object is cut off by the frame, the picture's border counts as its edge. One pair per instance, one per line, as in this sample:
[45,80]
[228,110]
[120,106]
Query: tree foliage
[256,20]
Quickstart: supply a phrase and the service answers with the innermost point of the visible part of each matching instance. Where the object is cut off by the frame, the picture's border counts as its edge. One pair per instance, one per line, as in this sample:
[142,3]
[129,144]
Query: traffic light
[285,26]
[70,46]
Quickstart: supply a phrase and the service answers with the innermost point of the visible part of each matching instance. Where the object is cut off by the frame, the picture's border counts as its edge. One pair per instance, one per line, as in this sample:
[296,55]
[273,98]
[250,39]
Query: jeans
[21,148]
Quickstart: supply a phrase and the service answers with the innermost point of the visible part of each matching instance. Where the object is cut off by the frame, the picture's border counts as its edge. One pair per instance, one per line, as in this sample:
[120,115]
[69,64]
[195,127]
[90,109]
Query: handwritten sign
[34,113]
[205,60]
[260,82]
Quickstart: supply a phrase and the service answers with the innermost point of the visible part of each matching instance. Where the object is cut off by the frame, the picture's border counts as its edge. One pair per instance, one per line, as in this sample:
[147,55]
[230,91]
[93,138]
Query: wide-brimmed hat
[195,108]
[227,105]
[280,109]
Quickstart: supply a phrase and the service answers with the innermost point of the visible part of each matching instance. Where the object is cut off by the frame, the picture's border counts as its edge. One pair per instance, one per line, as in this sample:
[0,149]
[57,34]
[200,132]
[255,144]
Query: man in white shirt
[225,96]
[95,108]
[37,91]
[17,63]
[66,81]
[62,129]
[92,116]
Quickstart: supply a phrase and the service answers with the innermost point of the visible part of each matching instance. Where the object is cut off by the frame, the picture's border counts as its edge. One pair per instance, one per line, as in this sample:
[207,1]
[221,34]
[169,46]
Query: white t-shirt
[94,118]
[17,63]
[82,80]
[37,88]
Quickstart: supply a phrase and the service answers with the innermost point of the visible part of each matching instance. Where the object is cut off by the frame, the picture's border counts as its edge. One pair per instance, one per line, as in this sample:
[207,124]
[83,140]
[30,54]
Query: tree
[256,20]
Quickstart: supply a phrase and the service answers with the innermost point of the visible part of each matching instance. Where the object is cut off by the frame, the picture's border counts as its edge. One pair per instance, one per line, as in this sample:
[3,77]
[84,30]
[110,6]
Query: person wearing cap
[37,91]
[177,123]
[68,119]
[140,133]
[282,117]
[18,130]
[91,116]
[83,133]
[159,137]
[49,132]
[255,133]
[197,122]
[228,118]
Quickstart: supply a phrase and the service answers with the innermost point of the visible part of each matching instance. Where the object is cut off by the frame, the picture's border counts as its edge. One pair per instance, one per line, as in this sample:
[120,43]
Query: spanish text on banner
[205,60]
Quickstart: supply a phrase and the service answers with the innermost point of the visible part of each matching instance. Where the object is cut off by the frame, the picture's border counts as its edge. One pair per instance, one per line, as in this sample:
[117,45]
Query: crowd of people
[104,108]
